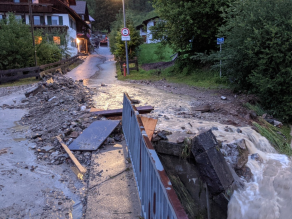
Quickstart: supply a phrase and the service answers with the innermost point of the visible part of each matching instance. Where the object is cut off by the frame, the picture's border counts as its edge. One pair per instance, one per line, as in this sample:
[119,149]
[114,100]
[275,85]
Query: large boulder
[211,164]
[235,153]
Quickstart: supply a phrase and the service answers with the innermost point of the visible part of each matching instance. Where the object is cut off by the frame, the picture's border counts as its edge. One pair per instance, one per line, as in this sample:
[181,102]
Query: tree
[117,46]
[16,48]
[258,51]
[105,13]
[189,26]
[139,5]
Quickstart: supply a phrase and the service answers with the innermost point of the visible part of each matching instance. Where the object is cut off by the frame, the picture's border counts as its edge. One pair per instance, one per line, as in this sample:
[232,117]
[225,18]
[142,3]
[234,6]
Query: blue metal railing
[157,196]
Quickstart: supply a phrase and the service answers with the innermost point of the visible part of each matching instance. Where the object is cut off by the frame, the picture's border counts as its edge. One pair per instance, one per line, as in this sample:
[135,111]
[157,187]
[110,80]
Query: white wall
[149,34]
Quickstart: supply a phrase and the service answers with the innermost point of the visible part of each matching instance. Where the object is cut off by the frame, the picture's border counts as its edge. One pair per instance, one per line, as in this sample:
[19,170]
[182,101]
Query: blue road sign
[220,40]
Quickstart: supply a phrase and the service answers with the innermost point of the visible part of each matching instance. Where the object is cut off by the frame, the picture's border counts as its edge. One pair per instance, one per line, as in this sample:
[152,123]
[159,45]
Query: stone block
[214,170]
[203,142]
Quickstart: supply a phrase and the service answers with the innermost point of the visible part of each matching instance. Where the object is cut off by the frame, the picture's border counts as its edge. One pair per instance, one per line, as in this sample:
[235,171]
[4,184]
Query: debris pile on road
[58,106]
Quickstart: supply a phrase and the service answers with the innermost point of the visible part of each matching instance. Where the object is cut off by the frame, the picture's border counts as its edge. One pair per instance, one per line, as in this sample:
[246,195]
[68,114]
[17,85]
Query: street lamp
[126,44]
[78,41]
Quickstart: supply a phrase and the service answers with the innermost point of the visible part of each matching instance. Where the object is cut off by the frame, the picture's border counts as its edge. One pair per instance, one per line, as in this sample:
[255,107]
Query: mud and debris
[56,110]
[207,104]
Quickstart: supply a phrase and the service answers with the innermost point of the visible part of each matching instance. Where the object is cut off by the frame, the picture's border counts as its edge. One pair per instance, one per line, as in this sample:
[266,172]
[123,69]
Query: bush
[48,53]
[257,52]
[16,48]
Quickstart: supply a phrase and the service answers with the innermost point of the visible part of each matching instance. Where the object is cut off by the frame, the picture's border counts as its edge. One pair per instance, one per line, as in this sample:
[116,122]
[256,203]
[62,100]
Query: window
[18,17]
[16,1]
[38,40]
[1,17]
[57,40]
[55,20]
[72,23]
[38,20]
[35,1]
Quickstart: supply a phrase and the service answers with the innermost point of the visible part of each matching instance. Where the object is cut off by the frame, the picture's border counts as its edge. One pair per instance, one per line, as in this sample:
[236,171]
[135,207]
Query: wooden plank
[14,78]
[118,112]
[149,125]
[92,110]
[9,71]
[73,158]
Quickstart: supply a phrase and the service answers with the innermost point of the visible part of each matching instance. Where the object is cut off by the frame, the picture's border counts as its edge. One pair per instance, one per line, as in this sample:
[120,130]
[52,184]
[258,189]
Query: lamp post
[126,44]
[32,33]
[78,41]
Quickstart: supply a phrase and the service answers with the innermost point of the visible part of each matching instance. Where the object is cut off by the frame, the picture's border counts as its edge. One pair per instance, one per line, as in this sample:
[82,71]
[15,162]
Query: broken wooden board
[149,125]
[92,110]
[94,135]
[118,112]
[73,158]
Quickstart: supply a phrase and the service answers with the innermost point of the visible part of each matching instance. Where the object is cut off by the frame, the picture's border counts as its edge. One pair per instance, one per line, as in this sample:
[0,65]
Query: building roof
[145,22]
[80,7]
[91,19]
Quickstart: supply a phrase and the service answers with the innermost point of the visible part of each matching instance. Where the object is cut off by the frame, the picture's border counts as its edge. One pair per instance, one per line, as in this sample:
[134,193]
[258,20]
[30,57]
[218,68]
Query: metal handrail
[157,196]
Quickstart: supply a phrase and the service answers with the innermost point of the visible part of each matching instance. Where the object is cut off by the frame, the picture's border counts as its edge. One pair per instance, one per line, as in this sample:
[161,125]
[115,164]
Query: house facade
[53,17]
[145,31]
[81,9]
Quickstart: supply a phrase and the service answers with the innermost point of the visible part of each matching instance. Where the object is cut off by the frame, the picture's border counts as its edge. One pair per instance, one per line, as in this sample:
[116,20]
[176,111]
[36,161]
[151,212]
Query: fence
[134,61]
[158,198]
[16,74]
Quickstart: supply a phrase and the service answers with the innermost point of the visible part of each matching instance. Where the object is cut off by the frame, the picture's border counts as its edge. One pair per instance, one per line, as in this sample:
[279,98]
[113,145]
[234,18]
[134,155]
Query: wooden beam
[149,125]
[73,158]
[119,112]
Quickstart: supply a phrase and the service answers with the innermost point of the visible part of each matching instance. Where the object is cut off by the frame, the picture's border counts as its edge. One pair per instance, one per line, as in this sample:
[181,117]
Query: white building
[52,17]
[145,31]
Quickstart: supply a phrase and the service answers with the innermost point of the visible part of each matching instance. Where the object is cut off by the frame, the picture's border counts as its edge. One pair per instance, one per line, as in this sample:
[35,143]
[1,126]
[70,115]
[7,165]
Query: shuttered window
[60,20]
[49,20]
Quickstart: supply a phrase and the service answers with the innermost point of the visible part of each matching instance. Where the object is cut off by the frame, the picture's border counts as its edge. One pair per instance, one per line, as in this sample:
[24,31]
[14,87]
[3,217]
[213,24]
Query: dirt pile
[60,107]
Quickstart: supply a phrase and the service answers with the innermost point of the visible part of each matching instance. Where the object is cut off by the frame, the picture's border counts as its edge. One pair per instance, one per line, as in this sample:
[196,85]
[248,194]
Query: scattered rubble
[58,106]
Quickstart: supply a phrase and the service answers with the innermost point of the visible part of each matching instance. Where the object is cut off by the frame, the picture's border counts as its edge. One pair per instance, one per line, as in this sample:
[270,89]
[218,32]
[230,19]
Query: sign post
[125,34]
[220,41]
[126,44]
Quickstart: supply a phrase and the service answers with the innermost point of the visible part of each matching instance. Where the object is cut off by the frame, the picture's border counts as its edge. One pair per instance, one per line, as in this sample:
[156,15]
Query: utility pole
[32,31]
[126,44]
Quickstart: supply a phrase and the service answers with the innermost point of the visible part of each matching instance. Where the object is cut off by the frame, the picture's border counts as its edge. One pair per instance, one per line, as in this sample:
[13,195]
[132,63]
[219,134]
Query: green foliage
[275,137]
[257,108]
[257,54]
[16,46]
[117,46]
[139,5]
[154,52]
[48,52]
[185,21]
[105,13]
[47,36]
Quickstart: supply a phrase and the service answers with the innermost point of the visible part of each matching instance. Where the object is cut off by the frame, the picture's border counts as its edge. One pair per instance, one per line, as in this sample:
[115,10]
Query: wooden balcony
[23,7]
[51,28]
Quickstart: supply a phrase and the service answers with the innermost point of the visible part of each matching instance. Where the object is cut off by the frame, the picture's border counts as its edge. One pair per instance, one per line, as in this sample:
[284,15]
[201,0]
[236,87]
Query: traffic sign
[126,38]
[220,40]
[125,32]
